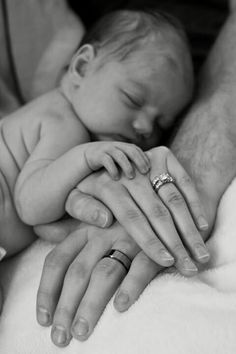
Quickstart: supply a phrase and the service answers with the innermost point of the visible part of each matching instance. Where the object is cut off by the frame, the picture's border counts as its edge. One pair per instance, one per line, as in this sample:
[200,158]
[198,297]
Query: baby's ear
[81,61]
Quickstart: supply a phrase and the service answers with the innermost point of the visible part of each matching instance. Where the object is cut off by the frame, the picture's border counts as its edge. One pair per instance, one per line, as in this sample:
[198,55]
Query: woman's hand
[77,282]
[160,223]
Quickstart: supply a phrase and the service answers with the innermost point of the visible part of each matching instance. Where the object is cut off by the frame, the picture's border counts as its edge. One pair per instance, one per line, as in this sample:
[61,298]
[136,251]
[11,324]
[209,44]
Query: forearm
[41,192]
[206,141]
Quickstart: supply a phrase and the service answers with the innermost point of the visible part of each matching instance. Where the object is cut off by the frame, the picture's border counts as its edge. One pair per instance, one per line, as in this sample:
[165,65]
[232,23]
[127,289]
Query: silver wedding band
[160,180]
[120,257]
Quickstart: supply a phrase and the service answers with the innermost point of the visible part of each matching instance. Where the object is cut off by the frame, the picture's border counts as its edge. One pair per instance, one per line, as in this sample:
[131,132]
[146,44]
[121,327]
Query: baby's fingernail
[145,169]
[43,316]
[81,327]
[59,335]
[202,254]
[202,223]
[189,265]
[3,253]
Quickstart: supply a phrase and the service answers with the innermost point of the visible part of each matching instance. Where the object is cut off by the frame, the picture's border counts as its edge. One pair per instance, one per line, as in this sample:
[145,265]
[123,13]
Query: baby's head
[131,76]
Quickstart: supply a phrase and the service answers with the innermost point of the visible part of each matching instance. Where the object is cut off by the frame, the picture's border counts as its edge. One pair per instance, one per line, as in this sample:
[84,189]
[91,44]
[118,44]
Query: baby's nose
[143,127]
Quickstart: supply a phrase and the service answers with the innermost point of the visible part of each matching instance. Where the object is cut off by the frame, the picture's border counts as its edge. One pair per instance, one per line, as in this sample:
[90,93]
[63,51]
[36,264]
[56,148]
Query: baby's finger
[138,157]
[121,159]
[110,166]
[188,189]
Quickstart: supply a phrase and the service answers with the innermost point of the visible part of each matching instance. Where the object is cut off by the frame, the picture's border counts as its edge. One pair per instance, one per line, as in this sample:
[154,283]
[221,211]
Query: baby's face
[134,100]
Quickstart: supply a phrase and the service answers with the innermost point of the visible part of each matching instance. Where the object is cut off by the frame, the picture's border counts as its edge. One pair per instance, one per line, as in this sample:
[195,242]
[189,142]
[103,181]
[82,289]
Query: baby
[129,79]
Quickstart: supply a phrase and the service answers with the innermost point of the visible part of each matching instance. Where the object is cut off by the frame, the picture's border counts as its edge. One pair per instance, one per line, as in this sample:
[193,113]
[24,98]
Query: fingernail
[166,256]
[202,223]
[59,335]
[202,253]
[3,253]
[81,327]
[189,265]
[103,218]
[122,298]
[43,316]
[131,175]
[145,169]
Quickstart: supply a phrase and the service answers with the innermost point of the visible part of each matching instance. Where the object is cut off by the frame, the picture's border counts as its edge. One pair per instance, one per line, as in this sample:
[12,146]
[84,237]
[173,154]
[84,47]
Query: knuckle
[133,215]
[151,243]
[186,180]
[175,198]
[105,268]
[194,237]
[160,211]
[106,158]
[143,260]
[63,312]
[77,270]
[55,259]
[42,295]
[179,249]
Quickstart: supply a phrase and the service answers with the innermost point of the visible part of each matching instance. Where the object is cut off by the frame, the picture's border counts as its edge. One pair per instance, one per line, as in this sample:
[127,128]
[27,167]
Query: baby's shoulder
[58,117]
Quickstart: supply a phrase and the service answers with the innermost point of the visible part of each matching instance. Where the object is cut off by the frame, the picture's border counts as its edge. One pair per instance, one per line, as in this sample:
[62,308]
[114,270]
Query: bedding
[173,315]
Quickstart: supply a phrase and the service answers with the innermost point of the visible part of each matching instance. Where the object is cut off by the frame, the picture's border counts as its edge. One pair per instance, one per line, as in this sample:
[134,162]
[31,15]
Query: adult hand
[77,283]
[172,214]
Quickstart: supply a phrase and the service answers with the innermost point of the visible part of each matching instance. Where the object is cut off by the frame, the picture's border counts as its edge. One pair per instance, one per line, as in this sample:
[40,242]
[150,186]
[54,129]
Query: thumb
[86,208]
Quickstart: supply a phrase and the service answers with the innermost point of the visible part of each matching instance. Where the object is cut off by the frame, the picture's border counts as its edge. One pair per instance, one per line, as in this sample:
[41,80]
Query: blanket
[173,315]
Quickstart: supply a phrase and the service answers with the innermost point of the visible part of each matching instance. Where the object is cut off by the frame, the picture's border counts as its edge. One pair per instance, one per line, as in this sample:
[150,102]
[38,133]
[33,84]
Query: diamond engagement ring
[158,181]
[120,257]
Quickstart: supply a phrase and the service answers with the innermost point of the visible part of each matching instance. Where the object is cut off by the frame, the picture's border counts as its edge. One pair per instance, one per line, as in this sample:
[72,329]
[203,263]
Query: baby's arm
[60,160]
[53,168]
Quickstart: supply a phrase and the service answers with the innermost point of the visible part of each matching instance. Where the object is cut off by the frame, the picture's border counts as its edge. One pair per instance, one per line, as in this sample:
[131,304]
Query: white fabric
[174,315]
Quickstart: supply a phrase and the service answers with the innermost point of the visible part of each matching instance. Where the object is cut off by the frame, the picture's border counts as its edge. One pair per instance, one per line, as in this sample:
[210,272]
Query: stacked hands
[159,222]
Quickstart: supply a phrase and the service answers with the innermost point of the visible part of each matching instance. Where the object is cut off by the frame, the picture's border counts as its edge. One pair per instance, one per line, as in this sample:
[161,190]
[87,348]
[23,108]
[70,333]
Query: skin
[135,100]
[213,111]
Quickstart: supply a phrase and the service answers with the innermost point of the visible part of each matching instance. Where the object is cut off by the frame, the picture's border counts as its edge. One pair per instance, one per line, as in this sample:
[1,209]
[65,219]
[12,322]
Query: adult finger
[105,279]
[162,223]
[130,216]
[188,189]
[77,278]
[86,208]
[178,206]
[54,270]
[141,272]
[188,231]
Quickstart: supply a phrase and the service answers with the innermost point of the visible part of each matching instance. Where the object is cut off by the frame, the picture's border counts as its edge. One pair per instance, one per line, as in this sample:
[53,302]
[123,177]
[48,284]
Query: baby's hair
[121,32]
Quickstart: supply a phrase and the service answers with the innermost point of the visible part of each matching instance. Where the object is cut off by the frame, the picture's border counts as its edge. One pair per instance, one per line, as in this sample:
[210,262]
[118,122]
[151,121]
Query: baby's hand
[112,155]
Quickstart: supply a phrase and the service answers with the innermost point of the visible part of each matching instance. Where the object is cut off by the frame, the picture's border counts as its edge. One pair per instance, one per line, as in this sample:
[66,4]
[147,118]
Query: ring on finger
[120,257]
[160,180]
